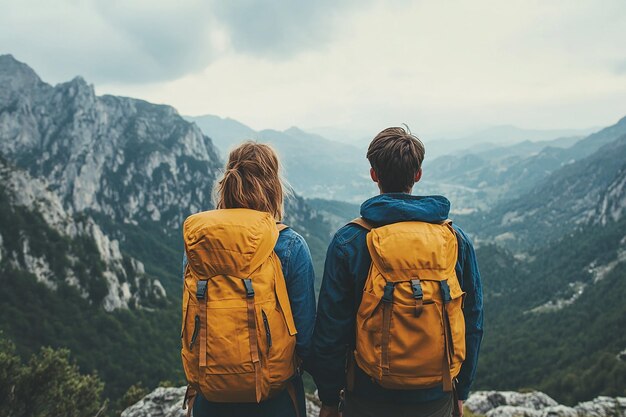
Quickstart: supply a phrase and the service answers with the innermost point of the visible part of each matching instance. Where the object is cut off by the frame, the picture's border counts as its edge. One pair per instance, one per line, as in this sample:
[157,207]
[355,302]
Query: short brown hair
[396,156]
[252,180]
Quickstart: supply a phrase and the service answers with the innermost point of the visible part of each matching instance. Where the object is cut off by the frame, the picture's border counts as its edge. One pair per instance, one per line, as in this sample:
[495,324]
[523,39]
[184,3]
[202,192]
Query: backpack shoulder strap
[363,223]
[448,223]
[281,227]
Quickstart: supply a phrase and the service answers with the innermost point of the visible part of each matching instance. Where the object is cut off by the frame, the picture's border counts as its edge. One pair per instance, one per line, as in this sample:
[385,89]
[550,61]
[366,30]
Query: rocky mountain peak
[128,159]
[15,76]
[12,68]
[78,88]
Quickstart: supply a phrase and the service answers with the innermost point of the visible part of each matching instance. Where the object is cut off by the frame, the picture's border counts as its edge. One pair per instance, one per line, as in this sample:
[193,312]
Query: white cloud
[64,38]
[438,66]
[141,41]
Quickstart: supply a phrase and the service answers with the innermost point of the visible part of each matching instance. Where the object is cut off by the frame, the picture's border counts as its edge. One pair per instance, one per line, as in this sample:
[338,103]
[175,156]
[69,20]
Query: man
[396,159]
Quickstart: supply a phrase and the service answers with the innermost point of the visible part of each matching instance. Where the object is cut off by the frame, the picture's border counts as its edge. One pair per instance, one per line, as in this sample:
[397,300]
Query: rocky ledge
[538,404]
[166,402]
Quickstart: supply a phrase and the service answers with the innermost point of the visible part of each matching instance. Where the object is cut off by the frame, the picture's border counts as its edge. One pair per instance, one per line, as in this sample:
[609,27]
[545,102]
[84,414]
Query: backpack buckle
[201,289]
[249,290]
[418,295]
[388,294]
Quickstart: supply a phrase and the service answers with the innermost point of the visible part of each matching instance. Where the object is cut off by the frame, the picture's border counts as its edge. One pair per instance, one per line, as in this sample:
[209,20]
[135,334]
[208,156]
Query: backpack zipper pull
[268,333]
[196,329]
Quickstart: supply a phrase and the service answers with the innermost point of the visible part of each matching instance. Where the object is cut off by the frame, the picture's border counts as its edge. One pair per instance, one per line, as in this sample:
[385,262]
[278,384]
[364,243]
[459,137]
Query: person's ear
[418,175]
[373,175]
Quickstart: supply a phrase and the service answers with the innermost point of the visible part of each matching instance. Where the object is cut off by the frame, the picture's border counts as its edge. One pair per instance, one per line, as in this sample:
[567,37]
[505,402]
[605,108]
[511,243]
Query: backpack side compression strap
[363,223]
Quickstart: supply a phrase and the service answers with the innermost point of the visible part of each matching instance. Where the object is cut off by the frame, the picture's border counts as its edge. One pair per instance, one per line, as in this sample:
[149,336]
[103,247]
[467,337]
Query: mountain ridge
[576,194]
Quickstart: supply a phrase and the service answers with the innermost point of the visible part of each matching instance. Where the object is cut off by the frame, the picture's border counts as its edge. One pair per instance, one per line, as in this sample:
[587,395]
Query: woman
[251,181]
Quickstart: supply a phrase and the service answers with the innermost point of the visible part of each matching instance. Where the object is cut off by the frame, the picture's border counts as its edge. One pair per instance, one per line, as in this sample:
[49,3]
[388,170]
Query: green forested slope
[123,346]
[571,352]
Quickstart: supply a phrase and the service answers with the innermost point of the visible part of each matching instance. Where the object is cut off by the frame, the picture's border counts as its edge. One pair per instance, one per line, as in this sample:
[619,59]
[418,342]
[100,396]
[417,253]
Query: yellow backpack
[410,328]
[238,333]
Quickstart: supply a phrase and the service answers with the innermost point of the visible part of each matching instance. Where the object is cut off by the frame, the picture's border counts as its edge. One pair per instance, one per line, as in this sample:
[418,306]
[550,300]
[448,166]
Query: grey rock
[482,402]
[313,405]
[538,404]
[162,402]
[167,402]
[560,411]
[602,407]
[514,411]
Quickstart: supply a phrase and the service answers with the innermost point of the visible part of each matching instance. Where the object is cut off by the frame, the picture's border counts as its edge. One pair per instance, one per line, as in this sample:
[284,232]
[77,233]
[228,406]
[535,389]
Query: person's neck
[394,192]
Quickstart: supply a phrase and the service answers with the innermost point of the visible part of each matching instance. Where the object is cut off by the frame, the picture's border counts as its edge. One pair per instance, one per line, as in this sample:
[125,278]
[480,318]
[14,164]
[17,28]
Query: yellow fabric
[225,247]
[416,344]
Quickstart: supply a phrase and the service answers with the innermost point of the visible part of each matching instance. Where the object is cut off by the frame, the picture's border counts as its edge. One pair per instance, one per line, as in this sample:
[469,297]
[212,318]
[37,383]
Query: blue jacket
[297,266]
[347,265]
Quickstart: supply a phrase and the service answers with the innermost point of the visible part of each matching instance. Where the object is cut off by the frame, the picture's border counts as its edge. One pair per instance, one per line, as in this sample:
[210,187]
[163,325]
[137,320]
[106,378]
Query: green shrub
[49,385]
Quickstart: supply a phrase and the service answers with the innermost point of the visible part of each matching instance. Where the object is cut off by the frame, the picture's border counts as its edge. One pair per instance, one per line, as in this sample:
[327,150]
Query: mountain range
[93,191]
[475,173]
[585,186]
[315,167]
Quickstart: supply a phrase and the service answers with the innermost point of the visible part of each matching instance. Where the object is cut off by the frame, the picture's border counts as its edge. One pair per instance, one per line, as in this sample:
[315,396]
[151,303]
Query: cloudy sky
[355,66]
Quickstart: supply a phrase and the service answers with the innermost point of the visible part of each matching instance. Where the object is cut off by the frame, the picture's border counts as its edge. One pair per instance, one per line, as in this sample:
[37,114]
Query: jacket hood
[399,207]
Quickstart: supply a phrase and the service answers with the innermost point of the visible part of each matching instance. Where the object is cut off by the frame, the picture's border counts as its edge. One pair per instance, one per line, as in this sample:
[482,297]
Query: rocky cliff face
[128,159]
[71,156]
[613,200]
[42,237]
[167,402]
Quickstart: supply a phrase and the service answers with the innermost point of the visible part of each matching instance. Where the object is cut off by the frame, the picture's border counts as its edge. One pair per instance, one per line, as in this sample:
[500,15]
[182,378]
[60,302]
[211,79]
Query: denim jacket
[295,259]
[347,265]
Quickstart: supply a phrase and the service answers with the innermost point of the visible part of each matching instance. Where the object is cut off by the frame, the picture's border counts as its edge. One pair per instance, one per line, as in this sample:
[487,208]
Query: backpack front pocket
[411,334]
[228,339]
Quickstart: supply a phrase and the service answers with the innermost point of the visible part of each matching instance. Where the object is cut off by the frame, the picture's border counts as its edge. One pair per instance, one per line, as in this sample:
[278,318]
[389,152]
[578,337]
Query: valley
[93,191]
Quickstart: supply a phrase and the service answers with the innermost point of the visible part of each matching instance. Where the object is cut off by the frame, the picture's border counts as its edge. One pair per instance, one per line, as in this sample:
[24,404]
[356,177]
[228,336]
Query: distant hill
[479,180]
[224,132]
[336,213]
[499,136]
[315,167]
[475,173]
[589,190]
